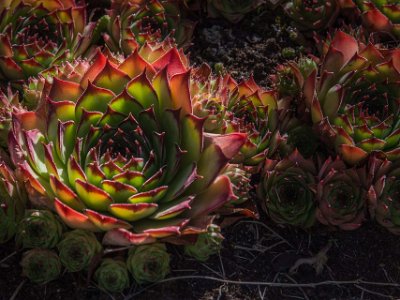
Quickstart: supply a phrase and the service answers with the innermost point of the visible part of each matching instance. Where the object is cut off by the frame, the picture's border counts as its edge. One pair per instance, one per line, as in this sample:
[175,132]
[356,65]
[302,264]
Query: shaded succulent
[36,34]
[8,100]
[148,263]
[112,275]
[383,196]
[121,152]
[12,203]
[39,229]
[134,22]
[354,100]
[230,107]
[312,14]
[381,15]
[232,10]
[207,244]
[287,190]
[241,186]
[77,249]
[341,195]
[40,265]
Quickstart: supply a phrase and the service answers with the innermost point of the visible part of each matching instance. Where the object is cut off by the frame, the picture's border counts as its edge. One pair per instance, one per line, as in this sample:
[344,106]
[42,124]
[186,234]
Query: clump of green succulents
[36,34]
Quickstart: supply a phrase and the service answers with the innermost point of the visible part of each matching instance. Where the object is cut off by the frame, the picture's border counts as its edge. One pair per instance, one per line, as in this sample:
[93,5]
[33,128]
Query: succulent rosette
[8,100]
[312,14]
[112,275]
[241,186]
[39,229]
[245,107]
[77,249]
[131,23]
[288,189]
[148,263]
[232,10]
[12,203]
[383,195]
[207,244]
[41,265]
[120,151]
[341,195]
[381,15]
[35,34]
[354,99]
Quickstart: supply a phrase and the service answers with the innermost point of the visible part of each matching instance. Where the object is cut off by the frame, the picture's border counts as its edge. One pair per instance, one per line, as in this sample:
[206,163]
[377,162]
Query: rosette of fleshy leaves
[312,14]
[287,190]
[341,195]
[232,10]
[383,195]
[8,100]
[245,107]
[119,151]
[131,23]
[36,34]
[354,98]
[241,183]
[12,202]
[112,275]
[381,15]
[41,265]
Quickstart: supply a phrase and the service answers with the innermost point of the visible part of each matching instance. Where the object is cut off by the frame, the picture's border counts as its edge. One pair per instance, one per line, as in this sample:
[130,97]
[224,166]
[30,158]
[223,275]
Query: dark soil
[254,251]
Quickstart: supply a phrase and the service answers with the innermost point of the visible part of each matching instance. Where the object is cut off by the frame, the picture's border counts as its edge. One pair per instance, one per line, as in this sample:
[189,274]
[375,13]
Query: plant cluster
[115,147]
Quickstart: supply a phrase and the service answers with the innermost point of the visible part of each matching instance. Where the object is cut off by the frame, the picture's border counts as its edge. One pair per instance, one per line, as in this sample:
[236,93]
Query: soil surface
[254,252]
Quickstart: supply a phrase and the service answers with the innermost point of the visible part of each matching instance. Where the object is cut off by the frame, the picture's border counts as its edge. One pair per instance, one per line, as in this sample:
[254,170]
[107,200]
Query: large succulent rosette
[287,190]
[245,107]
[354,99]
[232,10]
[381,15]
[12,203]
[35,34]
[313,14]
[341,195]
[121,152]
[383,195]
[133,22]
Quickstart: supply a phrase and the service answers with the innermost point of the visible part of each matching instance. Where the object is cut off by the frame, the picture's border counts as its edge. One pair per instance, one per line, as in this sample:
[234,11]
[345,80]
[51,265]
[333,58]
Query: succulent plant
[39,229]
[230,107]
[12,203]
[381,15]
[232,10]
[240,179]
[112,275]
[77,249]
[121,152]
[287,190]
[35,34]
[207,244]
[354,100]
[341,195]
[8,100]
[41,265]
[383,196]
[135,22]
[148,263]
[312,14]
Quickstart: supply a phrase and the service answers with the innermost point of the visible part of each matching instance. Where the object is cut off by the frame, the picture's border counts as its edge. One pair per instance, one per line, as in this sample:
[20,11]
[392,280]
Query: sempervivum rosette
[8,100]
[12,203]
[384,193]
[287,190]
[313,14]
[244,107]
[35,34]
[130,23]
[341,195]
[121,152]
[354,100]
[381,15]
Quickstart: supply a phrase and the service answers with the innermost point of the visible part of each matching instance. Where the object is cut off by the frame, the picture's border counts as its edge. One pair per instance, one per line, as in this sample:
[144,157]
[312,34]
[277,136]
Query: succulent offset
[134,22]
[121,151]
[36,34]
[232,10]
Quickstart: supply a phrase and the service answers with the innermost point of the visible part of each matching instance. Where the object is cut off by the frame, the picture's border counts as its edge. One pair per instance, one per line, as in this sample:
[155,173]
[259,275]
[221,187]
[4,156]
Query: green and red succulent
[131,23]
[36,34]
[118,150]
